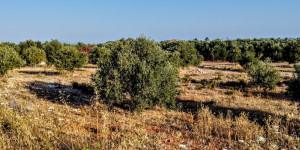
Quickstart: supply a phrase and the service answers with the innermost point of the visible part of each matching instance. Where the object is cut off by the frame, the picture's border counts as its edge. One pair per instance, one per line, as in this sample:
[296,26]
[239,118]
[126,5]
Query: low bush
[186,79]
[33,55]
[51,48]
[9,59]
[248,57]
[230,92]
[185,54]
[99,54]
[69,58]
[263,74]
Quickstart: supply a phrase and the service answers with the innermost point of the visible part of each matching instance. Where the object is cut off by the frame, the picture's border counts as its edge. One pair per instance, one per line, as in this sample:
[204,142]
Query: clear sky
[95,21]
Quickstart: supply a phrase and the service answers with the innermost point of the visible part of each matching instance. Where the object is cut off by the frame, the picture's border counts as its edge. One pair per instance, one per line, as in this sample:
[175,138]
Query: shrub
[294,85]
[99,54]
[50,49]
[9,59]
[186,79]
[234,52]
[138,74]
[187,52]
[263,75]
[230,92]
[24,45]
[69,58]
[33,55]
[248,57]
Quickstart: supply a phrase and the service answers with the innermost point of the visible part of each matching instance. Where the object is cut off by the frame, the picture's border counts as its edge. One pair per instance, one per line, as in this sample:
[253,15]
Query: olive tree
[33,56]
[50,49]
[9,59]
[69,58]
[263,74]
[139,74]
[98,53]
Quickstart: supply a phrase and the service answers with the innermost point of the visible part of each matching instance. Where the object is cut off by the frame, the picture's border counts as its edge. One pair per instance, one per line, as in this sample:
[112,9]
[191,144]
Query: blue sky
[95,21]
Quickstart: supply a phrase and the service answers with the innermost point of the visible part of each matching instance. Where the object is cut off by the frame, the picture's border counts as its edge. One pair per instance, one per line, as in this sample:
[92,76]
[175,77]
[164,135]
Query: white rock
[52,86]
[273,145]
[28,107]
[241,141]
[260,139]
[51,108]
[275,127]
[182,146]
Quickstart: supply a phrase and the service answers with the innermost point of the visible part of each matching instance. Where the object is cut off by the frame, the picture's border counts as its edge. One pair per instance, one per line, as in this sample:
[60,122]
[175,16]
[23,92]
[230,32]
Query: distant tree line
[232,50]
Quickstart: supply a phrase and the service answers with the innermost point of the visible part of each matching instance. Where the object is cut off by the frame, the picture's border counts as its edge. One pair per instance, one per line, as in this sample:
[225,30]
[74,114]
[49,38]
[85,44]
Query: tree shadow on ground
[257,116]
[222,69]
[47,73]
[233,85]
[58,93]
[249,89]
[191,106]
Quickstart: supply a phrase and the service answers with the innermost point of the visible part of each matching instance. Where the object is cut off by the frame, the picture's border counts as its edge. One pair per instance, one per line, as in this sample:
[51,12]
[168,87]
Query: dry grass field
[217,109]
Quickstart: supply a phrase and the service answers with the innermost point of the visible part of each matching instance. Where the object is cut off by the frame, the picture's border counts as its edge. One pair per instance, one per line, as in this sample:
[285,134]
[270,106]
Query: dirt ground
[42,92]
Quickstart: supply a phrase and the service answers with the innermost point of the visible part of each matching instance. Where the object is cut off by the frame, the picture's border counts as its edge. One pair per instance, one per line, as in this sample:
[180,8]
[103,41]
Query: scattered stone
[273,145]
[50,108]
[197,71]
[60,119]
[241,141]
[260,139]
[167,140]
[28,107]
[275,127]
[182,146]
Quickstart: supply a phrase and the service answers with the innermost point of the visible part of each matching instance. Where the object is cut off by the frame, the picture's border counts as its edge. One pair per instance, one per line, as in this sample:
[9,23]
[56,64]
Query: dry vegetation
[217,109]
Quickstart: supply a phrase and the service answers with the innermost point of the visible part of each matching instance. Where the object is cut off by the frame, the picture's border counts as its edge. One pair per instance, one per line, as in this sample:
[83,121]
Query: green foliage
[51,48]
[292,51]
[69,58]
[9,59]
[263,75]
[186,79]
[138,74]
[247,58]
[234,52]
[99,54]
[33,55]
[24,45]
[294,85]
[187,53]
[230,92]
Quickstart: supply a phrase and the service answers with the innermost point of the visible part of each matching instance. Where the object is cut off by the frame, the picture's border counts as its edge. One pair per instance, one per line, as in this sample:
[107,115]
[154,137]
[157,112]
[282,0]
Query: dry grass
[40,110]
